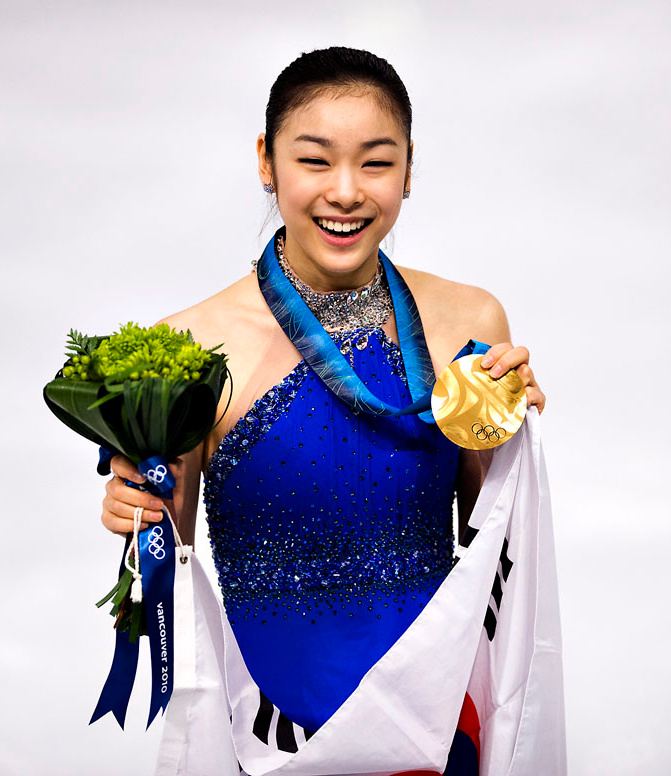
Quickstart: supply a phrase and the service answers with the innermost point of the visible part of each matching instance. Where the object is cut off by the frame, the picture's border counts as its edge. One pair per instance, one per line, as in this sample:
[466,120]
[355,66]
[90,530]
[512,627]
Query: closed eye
[310,160]
[378,163]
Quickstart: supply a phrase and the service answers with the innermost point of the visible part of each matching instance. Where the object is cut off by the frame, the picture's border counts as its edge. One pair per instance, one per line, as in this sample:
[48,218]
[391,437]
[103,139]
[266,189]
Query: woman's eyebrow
[368,144]
[322,141]
[365,146]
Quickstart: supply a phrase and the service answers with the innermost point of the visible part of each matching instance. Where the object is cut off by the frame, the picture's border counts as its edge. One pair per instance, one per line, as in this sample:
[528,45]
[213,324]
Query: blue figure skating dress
[330,529]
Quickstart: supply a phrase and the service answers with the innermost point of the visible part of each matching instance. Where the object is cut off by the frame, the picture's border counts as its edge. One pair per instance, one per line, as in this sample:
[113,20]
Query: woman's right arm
[121,501]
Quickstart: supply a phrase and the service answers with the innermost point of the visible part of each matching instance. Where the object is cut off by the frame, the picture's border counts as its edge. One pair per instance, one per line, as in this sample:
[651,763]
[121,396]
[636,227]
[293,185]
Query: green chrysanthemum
[135,353]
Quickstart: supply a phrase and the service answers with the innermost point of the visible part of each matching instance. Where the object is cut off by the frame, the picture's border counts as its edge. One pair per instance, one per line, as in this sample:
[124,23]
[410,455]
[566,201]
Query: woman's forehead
[343,116]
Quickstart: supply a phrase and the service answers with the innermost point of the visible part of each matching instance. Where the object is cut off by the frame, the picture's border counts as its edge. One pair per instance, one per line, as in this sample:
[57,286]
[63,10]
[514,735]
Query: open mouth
[342,229]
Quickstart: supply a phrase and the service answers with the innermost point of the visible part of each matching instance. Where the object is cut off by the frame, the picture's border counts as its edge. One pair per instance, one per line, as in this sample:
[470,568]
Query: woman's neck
[320,279]
[348,309]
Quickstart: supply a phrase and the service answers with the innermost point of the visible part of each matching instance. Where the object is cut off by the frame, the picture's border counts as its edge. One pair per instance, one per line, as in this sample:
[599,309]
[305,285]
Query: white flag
[491,630]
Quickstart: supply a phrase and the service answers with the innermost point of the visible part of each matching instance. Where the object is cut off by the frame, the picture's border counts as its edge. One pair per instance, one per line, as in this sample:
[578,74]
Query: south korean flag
[516,681]
[484,655]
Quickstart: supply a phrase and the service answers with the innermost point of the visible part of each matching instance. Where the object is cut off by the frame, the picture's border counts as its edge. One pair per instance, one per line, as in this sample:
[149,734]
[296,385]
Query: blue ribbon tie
[157,566]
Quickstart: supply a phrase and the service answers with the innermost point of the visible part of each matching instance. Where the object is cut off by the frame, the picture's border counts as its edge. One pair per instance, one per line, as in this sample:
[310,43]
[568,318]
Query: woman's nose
[344,189]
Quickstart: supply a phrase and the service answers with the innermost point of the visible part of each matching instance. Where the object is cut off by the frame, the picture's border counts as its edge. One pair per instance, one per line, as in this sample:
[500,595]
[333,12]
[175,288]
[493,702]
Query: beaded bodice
[330,529]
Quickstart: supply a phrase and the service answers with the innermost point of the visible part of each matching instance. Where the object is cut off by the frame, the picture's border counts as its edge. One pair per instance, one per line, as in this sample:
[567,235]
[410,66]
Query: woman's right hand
[121,501]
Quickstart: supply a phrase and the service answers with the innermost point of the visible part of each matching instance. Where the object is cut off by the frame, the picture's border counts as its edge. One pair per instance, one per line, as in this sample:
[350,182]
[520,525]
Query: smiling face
[340,165]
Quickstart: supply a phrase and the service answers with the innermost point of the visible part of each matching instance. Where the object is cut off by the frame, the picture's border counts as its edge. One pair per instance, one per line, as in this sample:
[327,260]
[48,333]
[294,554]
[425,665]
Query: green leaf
[70,401]
[123,590]
[109,595]
[132,396]
[79,344]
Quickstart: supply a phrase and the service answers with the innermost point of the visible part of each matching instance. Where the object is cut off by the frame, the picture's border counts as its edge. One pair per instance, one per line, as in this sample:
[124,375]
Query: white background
[542,173]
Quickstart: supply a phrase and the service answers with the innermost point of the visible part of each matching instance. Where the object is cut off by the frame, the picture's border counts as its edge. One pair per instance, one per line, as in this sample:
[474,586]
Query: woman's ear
[265,166]
[408,171]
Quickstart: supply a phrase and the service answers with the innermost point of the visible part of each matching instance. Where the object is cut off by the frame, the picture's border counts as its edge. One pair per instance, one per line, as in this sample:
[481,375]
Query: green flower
[135,353]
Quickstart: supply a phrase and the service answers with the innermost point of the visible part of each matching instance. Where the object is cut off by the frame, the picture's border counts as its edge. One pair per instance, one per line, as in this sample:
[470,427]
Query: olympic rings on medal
[156,543]
[487,432]
[157,475]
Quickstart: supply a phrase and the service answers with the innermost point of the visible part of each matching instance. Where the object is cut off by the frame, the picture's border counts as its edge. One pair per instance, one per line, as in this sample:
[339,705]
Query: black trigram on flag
[275,729]
[502,574]
[469,534]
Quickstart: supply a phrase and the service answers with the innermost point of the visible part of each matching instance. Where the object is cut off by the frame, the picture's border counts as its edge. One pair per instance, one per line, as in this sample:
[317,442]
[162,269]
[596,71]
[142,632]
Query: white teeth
[339,226]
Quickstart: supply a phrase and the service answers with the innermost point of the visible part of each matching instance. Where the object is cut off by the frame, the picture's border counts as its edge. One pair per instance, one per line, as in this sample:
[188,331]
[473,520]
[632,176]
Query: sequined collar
[368,306]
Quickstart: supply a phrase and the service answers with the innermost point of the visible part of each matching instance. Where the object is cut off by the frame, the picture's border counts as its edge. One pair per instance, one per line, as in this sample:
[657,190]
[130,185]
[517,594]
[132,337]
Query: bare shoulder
[237,313]
[239,319]
[452,313]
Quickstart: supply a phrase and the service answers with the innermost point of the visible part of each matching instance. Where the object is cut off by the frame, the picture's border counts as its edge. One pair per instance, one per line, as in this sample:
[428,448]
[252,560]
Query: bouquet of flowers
[151,394]
[141,392]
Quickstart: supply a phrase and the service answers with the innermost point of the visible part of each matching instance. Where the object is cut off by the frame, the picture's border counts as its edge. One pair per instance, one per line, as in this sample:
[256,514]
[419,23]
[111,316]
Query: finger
[535,398]
[115,517]
[121,508]
[112,517]
[509,360]
[120,503]
[117,489]
[119,525]
[126,469]
[526,374]
[494,353]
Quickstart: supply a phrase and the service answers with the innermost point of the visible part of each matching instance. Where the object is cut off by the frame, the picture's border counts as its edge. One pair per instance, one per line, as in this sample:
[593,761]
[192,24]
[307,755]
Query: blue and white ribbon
[157,563]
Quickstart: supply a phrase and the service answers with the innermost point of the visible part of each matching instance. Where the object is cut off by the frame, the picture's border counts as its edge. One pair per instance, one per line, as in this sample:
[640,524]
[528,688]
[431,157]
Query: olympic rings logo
[487,432]
[157,475]
[156,543]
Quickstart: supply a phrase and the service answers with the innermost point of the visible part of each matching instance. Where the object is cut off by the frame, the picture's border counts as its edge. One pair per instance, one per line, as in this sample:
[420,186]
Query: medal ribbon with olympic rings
[323,356]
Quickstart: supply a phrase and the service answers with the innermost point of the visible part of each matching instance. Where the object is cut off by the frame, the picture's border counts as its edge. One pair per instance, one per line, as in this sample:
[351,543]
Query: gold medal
[474,410]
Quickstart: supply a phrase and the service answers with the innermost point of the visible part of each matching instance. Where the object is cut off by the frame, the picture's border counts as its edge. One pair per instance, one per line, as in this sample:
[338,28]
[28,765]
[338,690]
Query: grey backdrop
[542,173]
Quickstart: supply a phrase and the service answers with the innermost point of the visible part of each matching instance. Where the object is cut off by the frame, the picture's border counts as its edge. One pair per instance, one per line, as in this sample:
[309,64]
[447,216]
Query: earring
[406,193]
[268,188]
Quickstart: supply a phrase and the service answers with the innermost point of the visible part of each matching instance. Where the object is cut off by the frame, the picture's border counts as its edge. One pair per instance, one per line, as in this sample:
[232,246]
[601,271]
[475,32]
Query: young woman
[331,527]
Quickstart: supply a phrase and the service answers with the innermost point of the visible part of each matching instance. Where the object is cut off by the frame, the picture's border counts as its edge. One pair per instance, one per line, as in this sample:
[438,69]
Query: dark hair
[340,68]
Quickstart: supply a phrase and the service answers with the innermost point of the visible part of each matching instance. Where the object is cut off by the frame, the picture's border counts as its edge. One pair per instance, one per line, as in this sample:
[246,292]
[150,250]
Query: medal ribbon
[157,566]
[322,354]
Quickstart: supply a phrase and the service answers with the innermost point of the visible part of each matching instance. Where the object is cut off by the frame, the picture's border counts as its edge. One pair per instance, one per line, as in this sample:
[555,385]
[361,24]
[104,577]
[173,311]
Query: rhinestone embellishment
[343,310]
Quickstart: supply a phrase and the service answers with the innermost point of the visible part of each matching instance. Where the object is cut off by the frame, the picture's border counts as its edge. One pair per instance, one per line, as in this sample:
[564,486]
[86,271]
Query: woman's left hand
[504,356]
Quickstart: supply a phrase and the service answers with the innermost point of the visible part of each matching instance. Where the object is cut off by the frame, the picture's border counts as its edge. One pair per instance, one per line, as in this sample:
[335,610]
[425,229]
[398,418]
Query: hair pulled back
[337,68]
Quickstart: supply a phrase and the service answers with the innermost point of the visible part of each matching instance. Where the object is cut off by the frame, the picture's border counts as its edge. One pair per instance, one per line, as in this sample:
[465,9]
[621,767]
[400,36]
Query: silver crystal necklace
[344,311]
